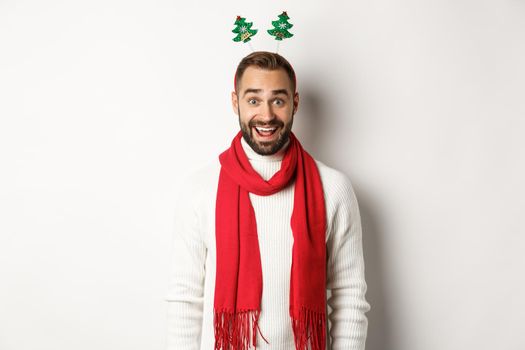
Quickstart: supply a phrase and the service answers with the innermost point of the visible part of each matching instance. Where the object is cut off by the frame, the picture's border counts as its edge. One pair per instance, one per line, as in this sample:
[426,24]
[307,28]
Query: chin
[269,147]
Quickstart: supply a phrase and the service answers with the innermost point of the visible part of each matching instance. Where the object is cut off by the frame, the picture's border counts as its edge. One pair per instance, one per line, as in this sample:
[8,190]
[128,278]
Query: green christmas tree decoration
[280,27]
[243,30]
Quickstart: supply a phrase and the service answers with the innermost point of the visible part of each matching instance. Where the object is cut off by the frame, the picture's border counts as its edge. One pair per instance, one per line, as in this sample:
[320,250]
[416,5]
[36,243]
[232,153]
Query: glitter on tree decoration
[280,27]
[243,30]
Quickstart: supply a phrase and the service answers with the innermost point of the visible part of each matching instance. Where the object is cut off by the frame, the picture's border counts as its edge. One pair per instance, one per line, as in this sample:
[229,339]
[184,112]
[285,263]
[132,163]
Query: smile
[265,131]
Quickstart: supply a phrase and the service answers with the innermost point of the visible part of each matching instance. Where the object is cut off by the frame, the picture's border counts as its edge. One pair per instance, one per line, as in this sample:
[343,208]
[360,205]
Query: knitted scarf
[238,286]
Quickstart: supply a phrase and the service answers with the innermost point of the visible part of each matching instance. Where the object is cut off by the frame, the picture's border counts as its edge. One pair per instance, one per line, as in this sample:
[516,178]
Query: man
[266,237]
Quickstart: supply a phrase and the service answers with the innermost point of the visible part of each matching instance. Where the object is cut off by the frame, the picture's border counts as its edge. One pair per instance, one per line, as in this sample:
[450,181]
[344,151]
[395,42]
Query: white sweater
[191,288]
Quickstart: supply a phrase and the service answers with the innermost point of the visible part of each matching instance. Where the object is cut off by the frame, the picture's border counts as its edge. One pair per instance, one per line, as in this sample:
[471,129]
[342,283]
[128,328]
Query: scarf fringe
[309,330]
[236,331]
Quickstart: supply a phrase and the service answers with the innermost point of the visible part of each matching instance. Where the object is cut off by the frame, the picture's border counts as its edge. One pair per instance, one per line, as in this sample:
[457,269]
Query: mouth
[265,132]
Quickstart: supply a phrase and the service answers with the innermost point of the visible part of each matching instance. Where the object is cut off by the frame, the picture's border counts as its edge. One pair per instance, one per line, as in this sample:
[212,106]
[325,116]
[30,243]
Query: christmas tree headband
[280,31]
[245,33]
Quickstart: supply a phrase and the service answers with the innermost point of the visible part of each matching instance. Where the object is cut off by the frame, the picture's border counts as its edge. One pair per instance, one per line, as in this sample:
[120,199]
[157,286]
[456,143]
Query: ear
[235,103]
[295,102]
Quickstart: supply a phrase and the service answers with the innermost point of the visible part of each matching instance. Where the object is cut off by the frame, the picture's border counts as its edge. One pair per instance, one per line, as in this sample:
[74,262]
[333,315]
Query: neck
[252,155]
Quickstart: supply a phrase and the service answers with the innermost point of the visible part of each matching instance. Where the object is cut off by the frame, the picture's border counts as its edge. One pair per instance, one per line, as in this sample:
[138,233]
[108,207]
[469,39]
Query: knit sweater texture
[190,294]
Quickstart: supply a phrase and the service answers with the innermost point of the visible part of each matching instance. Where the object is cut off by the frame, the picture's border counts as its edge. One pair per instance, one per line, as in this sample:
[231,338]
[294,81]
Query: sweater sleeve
[346,284]
[186,278]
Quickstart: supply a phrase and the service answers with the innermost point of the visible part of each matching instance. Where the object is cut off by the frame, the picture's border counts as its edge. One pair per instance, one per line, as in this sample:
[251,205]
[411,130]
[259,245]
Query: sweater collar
[252,155]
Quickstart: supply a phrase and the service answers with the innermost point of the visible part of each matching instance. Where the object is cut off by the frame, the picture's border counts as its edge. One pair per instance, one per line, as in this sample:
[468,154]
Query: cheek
[247,113]
[287,114]
[245,117]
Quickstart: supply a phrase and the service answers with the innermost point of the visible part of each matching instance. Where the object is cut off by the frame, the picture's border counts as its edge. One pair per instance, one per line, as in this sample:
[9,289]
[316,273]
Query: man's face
[265,104]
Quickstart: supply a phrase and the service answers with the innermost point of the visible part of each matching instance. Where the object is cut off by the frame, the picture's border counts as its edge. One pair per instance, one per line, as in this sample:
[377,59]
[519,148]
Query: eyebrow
[274,92]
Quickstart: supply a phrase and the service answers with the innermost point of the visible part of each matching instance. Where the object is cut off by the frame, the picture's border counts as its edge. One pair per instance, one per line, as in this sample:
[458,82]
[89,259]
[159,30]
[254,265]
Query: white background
[106,105]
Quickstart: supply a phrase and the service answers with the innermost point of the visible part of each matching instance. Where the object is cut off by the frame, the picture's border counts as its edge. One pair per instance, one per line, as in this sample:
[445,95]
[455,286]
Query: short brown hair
[265,60]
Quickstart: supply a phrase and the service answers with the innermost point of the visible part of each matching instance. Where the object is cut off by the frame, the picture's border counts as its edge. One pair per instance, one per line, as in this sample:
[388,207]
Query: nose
[267,112]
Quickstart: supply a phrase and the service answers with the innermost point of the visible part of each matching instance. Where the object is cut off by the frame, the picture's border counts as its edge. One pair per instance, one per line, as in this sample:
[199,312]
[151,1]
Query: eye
[278,102]
[252,101]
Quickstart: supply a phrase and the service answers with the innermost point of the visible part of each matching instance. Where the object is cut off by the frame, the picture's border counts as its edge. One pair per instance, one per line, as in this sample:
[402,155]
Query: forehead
[264,79]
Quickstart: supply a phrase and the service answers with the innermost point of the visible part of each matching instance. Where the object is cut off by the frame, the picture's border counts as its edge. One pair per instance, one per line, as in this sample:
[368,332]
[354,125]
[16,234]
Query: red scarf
[238,286]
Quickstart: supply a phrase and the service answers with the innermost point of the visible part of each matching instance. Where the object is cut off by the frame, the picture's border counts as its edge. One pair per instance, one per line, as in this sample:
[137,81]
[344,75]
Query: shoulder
[199,181]
[202,174]
[342,208]
[337,186]
[334,180]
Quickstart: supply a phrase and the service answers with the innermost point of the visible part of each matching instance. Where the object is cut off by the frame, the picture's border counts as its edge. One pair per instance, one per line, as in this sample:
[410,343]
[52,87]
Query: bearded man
[267,248]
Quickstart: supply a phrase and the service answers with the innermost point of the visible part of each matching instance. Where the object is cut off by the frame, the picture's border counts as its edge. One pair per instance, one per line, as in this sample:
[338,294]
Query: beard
[266,148]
